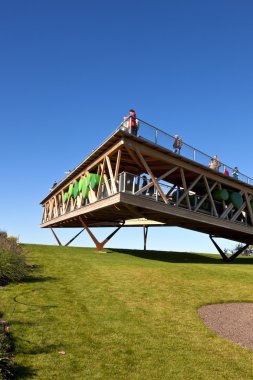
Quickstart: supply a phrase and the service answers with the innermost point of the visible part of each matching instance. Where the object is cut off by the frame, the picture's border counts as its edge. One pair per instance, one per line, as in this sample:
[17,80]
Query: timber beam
[231,258]
[99,245]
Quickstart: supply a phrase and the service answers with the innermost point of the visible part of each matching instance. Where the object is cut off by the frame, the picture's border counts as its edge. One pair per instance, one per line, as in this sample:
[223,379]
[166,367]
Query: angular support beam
[102,167]
[237,253]
[132,155]
[223,255]
[152,177]
[231,258]
[109,166]
[204,198]
[116,173]
[238,212]
[99,245]
[210,195]
[145,232]
[70,241]
[185,188]
[56,237]
[248,199]
[158,179]
[186,191]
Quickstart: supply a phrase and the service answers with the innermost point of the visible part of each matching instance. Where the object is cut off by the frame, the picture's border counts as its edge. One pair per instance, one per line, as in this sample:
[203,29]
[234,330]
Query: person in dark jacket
[132,123]
[177,144]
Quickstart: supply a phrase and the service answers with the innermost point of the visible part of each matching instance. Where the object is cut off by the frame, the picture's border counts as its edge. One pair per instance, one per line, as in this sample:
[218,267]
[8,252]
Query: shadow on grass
[33,279]
[22,372]
[181,257]
[19,323]
[26,372]
[39,350]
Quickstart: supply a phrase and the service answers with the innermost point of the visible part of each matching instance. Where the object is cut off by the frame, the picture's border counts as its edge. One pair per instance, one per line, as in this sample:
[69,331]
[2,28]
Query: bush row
[12,269]
[6,348]
[12,260]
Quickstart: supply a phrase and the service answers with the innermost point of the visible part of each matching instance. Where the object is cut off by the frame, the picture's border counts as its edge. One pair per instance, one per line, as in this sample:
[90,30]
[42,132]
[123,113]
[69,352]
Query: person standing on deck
[177,144]
[132,122]
[217,163]
[235,172]
[144,183]
[225,171]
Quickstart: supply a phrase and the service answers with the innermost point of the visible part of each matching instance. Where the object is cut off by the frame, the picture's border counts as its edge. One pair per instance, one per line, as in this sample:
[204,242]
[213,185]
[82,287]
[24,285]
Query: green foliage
[12,260]
[5,353]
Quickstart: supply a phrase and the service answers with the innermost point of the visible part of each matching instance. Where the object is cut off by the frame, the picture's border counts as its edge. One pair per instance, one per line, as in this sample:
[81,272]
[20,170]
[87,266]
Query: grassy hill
[124,315]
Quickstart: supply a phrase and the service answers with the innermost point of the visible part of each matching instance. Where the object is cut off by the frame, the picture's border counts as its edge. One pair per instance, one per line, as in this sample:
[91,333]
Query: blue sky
[69,72]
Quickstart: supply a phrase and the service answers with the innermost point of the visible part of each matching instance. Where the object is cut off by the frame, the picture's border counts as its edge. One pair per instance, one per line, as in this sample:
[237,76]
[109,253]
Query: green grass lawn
[124,315]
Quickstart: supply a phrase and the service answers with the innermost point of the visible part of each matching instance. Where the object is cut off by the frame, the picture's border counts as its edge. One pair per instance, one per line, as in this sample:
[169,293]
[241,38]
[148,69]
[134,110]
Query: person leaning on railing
[215,163]
[235,172]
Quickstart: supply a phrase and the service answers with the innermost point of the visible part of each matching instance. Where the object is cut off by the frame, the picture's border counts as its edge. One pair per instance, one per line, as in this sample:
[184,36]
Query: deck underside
[123,207]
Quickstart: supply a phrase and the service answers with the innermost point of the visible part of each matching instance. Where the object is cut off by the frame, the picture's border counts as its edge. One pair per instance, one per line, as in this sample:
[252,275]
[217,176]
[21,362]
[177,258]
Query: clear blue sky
[69,72]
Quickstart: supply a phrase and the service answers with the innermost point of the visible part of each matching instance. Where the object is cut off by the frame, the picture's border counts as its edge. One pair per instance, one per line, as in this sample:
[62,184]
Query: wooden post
[56,237]
[145,232]
[99,245]
[223,255]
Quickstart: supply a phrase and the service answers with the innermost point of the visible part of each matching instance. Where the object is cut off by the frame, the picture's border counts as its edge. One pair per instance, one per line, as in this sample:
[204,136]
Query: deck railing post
[156,136]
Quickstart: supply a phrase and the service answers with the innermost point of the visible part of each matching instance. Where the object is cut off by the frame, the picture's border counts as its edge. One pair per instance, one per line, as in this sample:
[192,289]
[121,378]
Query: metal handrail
[187,151]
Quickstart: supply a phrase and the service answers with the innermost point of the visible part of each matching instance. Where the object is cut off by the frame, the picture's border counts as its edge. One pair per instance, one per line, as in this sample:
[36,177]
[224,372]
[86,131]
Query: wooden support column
[185,188]
[248,199]
[107,185]
[99,245]
[210,196]
[145,232]
[111,174]
[116,173]
[102,166]
[56,237]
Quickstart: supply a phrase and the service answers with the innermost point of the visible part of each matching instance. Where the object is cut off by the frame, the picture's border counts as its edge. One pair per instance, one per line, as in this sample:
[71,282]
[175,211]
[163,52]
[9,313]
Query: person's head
[236,168]
[176,136]
[132,112]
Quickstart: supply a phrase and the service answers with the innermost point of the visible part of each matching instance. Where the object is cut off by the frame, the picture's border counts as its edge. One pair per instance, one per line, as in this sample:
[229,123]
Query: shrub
[12,260]
[5,352]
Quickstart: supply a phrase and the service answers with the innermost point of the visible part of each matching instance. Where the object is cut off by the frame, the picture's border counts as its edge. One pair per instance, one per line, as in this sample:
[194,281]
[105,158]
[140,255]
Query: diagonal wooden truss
[70,241]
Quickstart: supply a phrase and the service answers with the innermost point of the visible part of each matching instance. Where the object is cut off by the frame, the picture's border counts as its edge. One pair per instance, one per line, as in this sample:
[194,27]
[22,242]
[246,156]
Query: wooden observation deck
[109,189]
